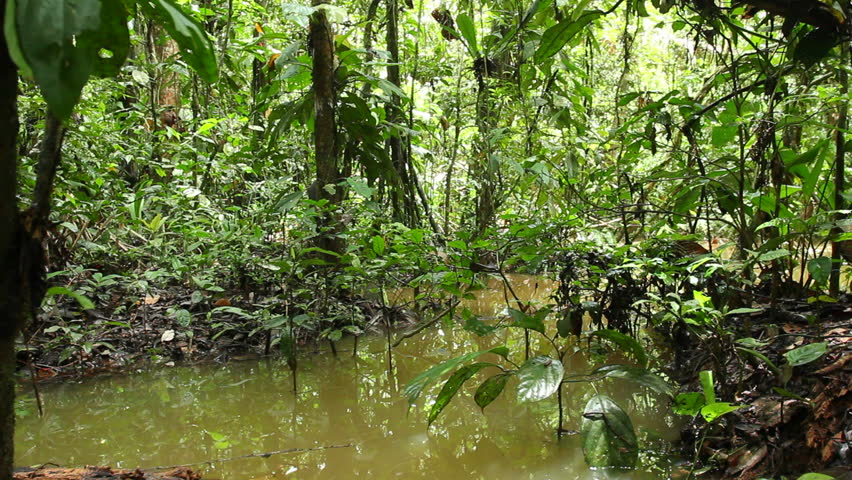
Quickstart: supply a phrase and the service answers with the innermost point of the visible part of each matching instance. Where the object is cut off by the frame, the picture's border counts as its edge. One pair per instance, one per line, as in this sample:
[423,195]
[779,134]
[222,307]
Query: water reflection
[496,295]
[204,413]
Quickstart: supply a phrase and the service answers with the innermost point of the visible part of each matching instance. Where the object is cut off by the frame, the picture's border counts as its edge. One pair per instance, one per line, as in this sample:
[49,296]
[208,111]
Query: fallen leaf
[150,300]
[168,336]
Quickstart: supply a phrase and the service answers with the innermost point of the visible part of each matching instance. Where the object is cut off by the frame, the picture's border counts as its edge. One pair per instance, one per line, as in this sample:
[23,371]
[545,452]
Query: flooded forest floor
[793,410]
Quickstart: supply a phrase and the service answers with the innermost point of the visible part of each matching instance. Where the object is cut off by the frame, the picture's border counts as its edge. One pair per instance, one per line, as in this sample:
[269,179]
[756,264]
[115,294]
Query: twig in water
[251,455]
[426,325]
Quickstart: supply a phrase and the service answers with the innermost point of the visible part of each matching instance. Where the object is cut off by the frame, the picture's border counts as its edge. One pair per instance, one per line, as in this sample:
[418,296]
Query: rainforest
[489,239]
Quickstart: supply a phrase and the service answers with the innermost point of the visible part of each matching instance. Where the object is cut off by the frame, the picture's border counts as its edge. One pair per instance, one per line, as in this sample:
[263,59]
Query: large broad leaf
[715,410]
[571,323]
[468,31]
[539,378]
[688,403]
[820,269]
[806,354]
[490,389]
[555,37]
[415,387]
[626,343]
[609,439]
[639,375]
[62,42]
[195,47]
[452,385]
[524,320]
[815,476]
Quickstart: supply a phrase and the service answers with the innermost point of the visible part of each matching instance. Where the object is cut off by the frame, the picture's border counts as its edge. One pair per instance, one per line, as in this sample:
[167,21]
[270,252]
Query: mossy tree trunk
[325,126]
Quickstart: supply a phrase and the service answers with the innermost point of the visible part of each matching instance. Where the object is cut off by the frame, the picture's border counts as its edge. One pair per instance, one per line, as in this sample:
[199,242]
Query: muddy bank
[182,325]
[102,473]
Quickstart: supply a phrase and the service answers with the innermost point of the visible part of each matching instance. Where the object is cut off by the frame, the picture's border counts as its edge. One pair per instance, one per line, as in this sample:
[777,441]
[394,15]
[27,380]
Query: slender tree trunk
[403,193]
[11,310]
[325,123]
[840,171]
[485,167]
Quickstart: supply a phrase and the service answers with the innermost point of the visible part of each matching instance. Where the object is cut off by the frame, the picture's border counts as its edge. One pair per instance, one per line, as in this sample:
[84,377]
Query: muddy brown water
[221,413]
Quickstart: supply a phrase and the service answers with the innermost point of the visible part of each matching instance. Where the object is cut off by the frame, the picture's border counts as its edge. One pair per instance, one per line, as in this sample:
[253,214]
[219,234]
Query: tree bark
[325,124]
[484,166]
[11,311]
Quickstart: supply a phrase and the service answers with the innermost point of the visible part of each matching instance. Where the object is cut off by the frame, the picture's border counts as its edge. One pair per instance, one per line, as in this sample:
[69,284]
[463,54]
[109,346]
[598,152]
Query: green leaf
[723,135]
[468,32]
[806,354]
[627,98]
[288,201]
[361,187]
[773,255]
[706,379]
[539,378]
[473,324]
[452,385]
[609,439]
[195,47]
[688,403]
[490,389]
[815,476]
[761,356]
[114,39]
[523,320]
[389,88]
[83,300]
[640,8]
[555,37]
[415,387]
[686,200]
[626,343]
[820,269]
[715,410]
[571,323]
[641,376]
[378,245]
[10,31]
[59,42]
[459,244]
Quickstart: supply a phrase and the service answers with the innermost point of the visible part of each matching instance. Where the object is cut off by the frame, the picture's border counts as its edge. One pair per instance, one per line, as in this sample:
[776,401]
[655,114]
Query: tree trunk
[484,168]
[403,193]
[840,172]
[325,125]
[10,282]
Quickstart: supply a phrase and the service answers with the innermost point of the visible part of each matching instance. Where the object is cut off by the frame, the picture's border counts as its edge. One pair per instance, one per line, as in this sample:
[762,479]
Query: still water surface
[215,413]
